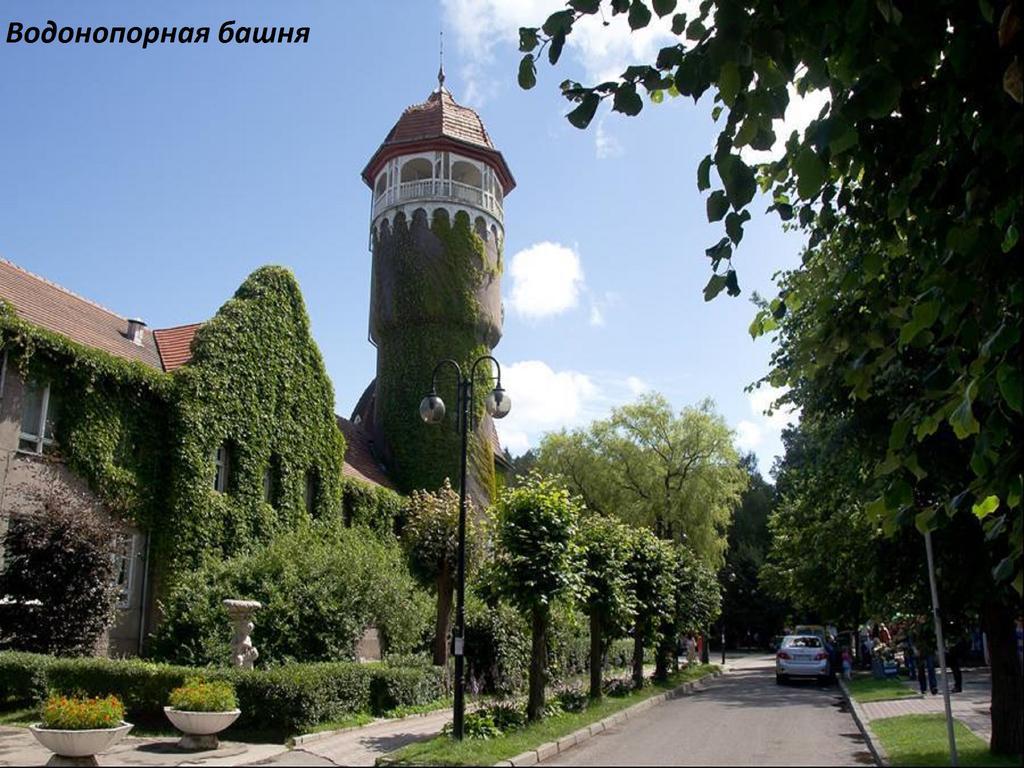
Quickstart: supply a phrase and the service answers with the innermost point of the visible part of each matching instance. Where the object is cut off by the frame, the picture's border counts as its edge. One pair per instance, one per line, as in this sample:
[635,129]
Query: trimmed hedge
[289,698]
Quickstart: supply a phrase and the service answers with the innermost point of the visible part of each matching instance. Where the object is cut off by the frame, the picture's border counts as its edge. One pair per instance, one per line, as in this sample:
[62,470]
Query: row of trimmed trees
[545,547]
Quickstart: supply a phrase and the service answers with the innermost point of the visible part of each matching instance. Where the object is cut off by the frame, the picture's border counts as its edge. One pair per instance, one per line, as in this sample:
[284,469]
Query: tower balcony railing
[439,189]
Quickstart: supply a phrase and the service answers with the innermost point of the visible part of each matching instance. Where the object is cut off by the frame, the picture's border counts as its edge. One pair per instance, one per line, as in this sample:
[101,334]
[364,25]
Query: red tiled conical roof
[439,123]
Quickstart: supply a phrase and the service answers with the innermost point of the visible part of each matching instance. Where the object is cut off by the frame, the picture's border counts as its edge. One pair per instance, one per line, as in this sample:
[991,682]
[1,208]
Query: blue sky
[153,181]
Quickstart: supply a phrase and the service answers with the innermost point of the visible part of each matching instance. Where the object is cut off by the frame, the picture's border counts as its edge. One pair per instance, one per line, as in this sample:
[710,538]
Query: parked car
[802,656]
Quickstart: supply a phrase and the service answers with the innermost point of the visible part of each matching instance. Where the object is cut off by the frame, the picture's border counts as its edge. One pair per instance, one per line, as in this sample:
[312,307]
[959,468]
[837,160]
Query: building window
[38,406]
[125,555]
[222,467]
[311,491]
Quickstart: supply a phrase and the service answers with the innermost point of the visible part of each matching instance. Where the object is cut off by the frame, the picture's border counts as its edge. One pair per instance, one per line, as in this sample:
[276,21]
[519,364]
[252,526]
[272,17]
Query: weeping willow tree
[674,473]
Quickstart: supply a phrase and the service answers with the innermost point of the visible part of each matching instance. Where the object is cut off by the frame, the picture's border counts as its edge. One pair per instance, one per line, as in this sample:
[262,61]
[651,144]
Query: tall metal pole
[458,719]
[941,648]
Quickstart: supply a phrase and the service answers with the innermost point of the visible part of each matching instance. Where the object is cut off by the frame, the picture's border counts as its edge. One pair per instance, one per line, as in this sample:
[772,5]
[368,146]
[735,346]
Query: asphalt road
[740,718]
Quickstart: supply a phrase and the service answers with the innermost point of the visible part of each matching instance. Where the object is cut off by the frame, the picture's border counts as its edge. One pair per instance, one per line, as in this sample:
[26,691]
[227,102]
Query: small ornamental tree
[538,561]
[650,569]
[59,577]
[697,601]
[431,540]
[608,599]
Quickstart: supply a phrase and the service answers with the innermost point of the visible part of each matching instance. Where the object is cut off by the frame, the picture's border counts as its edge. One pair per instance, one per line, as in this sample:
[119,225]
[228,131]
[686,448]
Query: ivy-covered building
[203,438]
[437,235]
[210,437]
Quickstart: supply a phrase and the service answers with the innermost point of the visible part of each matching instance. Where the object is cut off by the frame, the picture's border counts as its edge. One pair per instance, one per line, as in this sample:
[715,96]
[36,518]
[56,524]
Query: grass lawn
[865,688]
[922,740]
[443,750]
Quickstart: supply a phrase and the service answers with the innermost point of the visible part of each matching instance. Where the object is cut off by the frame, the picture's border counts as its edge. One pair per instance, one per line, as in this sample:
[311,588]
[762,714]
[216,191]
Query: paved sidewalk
[362,746]
[353,746]
[19,747]
[971,706]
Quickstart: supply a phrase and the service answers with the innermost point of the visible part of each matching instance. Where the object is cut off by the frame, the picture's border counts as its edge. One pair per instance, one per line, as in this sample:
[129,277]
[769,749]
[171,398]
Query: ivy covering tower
[437,230]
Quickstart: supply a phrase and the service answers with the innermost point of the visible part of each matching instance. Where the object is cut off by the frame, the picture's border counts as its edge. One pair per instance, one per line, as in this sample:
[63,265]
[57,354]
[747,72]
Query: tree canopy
[677,474]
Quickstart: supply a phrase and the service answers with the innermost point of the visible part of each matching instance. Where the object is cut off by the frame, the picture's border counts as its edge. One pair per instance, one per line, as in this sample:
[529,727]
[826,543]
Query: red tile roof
[48,305]
[438,116]
[360,462]
[439,121]
[175,345]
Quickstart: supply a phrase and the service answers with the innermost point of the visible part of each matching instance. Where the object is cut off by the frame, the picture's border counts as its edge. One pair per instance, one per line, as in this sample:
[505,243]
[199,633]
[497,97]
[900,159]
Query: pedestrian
[954,657]
[691,650]
[924,650]
[847,663]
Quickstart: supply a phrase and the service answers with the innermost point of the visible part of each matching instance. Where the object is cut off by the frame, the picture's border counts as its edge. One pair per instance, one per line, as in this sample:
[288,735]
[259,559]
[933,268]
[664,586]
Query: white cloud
[605,144]
[799,114]
[763,432]
[636,385]
[599,304]
[748,435]
[762,399]
[546,280]
[542,400]
[603,51]
[545,400]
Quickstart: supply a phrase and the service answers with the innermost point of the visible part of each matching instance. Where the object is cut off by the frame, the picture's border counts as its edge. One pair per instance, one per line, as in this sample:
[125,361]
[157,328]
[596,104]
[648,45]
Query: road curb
[874,747]
[573,740]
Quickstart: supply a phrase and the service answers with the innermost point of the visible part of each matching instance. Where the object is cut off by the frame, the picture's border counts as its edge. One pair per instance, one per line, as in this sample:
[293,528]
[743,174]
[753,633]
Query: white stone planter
[200,728]
[83,745]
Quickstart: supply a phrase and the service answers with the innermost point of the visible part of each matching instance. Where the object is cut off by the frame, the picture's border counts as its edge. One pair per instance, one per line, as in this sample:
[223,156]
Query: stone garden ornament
[243,652]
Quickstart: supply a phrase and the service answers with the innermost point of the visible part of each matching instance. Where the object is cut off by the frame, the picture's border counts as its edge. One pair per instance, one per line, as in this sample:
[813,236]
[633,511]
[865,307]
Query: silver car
[802,656]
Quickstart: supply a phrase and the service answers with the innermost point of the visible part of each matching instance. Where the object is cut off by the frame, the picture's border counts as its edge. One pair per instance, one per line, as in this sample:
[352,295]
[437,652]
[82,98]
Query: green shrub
[376,508]
[74,713]
[198,695]
[58,571]
[497,647]
[22,677]
[320,585]
[572,699]
[285,699]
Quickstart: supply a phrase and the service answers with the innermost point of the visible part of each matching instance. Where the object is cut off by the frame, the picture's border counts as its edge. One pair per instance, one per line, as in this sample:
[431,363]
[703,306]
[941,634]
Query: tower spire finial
[440,69]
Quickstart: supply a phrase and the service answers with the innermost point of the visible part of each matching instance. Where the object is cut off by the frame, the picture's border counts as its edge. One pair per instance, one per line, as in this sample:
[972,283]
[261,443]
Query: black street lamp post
[432,411]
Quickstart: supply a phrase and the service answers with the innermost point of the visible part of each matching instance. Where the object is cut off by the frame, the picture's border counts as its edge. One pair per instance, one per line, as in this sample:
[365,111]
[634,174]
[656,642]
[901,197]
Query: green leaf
[696,30]
[717,205]
[639,15]
[527,72]
[627,100]
[732,285]
[584,113]
[560,21]
[704,174]
[924,315]
[734,225]
[585,6]
[883,96]
[679,24]
[714,287]
[924,521]
[657,96]
[729,82]
[810,173]
[555,49]
[1009,380]
[1010,239]
[663,7]
[962,418]
[738,179]
[986,507]
[1004,570]
[528,39]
